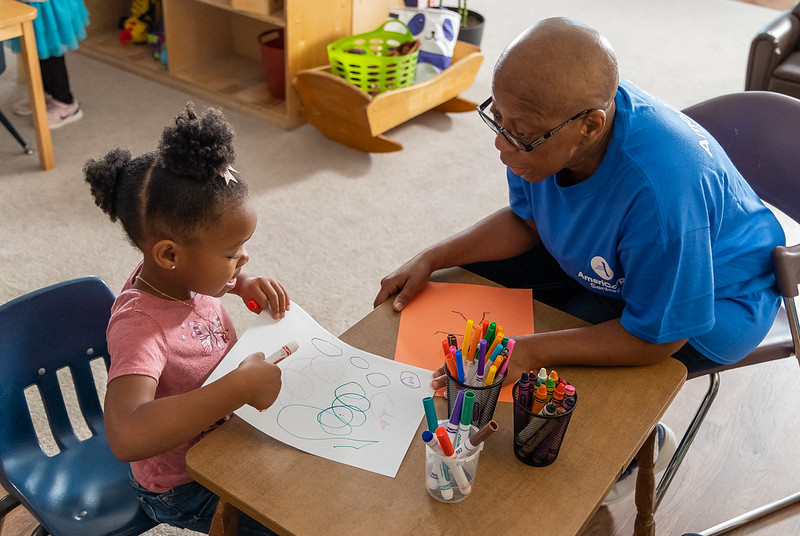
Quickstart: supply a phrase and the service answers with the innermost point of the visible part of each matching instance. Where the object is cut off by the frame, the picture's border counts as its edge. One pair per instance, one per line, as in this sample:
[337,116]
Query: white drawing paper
[336,401]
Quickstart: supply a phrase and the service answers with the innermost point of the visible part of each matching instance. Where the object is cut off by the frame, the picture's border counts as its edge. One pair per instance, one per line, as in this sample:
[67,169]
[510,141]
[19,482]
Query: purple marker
[455,417]
[479,378]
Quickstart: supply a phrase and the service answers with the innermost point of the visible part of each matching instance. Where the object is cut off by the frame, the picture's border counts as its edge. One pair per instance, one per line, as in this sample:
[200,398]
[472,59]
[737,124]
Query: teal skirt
[58,27]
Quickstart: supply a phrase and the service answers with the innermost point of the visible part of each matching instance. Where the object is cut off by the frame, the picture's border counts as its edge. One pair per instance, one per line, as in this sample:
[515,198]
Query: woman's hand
[406,282]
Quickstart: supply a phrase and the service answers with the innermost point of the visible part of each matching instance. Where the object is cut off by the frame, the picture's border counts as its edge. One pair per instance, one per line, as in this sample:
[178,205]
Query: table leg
[30,58]
[645,524]
[225,521]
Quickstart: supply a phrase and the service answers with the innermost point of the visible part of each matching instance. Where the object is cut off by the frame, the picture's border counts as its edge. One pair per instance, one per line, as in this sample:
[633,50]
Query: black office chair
[81,490]
[3,119]
[758,130]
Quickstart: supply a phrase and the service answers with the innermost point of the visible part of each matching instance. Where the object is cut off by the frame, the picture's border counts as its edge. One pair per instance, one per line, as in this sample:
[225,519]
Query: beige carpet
[333,221]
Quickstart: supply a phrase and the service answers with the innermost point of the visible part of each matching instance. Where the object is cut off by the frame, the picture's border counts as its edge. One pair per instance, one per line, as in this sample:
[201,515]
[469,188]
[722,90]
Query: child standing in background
[189,213]
[58,27]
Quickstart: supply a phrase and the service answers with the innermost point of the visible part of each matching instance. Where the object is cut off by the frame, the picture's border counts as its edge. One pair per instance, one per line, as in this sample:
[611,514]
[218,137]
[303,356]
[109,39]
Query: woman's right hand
[262,381]
[406,282]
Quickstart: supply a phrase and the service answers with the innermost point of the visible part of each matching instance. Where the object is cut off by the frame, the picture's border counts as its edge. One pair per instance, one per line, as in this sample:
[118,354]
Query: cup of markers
[543,406]
[452,452]
[479,366]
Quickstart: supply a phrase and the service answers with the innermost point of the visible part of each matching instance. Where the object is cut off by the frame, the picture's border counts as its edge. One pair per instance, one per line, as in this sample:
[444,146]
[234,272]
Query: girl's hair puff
[175,190]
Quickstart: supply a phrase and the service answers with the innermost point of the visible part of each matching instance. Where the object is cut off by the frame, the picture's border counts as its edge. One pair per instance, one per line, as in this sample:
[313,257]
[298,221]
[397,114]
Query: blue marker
[460,366]
[432,476]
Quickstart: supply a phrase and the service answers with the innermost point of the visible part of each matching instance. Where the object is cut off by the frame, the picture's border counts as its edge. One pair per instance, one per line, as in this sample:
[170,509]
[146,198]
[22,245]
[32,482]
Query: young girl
[58,27]
[189,213]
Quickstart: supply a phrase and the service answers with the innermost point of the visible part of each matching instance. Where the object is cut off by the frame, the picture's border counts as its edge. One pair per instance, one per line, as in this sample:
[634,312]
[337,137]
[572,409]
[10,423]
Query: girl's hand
[262,381]
[260,292]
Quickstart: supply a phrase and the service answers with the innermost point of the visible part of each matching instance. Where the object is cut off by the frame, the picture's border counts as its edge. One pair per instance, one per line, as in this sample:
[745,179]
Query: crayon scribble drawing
[336,401]
[443,308]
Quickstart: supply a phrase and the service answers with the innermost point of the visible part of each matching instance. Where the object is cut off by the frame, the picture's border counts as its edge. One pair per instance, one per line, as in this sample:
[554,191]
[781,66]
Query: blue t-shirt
[667,224]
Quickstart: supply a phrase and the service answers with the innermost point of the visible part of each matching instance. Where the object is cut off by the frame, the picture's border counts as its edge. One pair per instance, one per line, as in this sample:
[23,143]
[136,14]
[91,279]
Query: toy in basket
[385,58]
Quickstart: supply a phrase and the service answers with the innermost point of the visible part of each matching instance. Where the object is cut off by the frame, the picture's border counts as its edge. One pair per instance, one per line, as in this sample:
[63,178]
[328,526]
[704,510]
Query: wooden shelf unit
[213,49]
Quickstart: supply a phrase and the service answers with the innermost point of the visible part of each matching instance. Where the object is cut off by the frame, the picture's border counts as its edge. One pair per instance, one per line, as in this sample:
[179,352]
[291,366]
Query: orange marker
[473,344]
[497,340]
[539,399]
[558,395]
[450,360]
[445,348]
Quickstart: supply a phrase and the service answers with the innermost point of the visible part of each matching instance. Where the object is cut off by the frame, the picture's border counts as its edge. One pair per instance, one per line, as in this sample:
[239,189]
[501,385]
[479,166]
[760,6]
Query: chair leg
[747,517]
[6,123]
[40,531]
[7,504]
[688,438]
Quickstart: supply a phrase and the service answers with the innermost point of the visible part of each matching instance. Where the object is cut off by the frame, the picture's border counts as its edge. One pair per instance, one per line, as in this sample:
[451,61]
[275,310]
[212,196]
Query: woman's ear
[165,254]
[594,123]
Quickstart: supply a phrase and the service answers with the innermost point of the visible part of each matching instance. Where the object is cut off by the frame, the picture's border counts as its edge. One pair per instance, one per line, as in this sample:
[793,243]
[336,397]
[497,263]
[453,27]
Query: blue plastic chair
[83,490]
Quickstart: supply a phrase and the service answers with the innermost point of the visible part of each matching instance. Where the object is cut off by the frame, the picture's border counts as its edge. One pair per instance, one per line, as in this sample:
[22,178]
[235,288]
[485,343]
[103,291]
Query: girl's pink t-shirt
[175,345]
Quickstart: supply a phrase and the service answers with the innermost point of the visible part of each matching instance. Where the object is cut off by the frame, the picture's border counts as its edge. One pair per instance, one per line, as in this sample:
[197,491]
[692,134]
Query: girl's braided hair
[175,190]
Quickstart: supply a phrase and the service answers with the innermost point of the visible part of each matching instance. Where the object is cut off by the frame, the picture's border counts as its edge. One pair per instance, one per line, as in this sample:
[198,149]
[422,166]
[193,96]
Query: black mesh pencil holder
[485,398]
[538,438]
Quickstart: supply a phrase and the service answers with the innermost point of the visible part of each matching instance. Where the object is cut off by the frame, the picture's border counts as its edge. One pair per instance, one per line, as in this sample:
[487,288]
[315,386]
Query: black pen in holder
[537,437]
[485,398]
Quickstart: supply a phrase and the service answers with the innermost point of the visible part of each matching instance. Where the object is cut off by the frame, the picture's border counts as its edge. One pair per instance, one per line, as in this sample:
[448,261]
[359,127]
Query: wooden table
[293,492]
[16,20]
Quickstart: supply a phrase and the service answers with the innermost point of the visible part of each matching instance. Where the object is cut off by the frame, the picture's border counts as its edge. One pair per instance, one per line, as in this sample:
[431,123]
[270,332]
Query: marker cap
[444,441]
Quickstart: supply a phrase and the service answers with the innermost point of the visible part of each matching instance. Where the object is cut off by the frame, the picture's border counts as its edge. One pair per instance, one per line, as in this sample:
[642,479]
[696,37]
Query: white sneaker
[23,107]
[63,114]
[665,447]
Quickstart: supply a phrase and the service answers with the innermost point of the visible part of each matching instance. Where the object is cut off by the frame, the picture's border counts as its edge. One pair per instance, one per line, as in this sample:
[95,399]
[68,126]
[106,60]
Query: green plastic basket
[370,69]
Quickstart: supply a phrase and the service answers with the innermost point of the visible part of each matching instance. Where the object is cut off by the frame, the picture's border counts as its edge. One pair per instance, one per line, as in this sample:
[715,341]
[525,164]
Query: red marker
[253,305]
[282,353]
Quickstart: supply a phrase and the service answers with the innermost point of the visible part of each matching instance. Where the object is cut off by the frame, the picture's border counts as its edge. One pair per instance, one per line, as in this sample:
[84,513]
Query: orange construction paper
[443,308]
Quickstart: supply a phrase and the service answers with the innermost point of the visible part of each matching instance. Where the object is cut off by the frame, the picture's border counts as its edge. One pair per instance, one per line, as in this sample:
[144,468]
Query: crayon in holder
[537,437]
[485,398]
[450,481]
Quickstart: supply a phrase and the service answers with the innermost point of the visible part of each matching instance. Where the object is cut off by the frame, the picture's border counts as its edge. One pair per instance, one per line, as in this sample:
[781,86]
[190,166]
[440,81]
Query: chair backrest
[63,325]
[57,463]
[758,130]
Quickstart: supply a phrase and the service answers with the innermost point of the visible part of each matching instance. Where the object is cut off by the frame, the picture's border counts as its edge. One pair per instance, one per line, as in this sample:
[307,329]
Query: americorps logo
[606,274]
[601,268]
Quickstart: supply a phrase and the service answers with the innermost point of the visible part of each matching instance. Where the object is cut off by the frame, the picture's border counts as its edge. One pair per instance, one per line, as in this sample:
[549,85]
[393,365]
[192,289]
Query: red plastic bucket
[272,55]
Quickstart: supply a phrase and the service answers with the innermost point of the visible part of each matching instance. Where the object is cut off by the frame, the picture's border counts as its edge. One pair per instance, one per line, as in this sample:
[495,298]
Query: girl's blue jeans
[190,506]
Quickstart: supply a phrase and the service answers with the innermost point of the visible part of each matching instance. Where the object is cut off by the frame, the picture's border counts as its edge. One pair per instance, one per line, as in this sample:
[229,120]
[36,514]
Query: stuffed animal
[136,27]
[437,31]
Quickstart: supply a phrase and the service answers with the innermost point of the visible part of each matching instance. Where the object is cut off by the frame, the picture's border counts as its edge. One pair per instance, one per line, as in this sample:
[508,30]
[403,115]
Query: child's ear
[165,254]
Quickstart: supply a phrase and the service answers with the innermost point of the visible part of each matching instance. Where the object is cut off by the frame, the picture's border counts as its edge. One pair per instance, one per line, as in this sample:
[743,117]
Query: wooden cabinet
[213,49]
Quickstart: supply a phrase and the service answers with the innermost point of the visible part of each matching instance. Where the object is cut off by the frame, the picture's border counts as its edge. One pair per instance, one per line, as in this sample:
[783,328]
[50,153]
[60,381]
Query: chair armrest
[773,43]
[786,263]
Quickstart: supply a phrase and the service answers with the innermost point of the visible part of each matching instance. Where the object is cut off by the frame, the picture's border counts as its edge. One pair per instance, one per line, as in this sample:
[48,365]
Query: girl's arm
[139,426]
